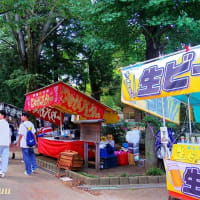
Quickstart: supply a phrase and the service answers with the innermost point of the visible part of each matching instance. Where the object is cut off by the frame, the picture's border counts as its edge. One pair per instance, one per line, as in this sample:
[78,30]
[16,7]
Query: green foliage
[160,21]
[155,121]
[92,42]
[117,130]
[154,172]
[109,101]
[124,174]
[20,79]
[88,175]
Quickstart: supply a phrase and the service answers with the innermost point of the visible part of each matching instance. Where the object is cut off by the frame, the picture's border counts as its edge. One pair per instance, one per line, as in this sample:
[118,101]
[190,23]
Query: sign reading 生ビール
[168,76]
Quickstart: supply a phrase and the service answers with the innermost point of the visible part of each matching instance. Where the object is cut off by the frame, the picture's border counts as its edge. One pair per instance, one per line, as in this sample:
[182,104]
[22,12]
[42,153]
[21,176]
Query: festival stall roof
[51,102]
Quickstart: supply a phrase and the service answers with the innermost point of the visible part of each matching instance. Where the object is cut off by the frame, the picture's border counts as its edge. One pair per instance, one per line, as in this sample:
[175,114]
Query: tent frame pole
[163,112]
[189,114]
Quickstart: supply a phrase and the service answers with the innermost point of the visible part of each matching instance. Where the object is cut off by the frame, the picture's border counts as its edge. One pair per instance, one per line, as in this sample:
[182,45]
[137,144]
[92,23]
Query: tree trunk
[30,49]
[56,57]
[150,155]
[152,36]
[95,86]
[32,60]
[153,49]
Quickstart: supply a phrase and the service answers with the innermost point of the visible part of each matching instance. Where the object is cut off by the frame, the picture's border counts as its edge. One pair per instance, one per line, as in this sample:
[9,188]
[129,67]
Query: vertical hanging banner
[169,75]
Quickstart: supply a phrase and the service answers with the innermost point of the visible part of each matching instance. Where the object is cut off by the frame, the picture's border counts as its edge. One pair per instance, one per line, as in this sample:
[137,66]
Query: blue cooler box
[110,162]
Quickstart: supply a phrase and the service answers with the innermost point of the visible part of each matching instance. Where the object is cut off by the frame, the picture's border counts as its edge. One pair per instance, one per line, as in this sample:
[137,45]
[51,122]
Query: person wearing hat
[4,143]
[28,152]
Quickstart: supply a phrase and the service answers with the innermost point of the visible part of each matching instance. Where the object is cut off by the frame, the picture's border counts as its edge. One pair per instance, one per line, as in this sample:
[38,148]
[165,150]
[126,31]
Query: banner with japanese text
[44,97]
[49,114]
[54,100]
[167,76]
[183,171]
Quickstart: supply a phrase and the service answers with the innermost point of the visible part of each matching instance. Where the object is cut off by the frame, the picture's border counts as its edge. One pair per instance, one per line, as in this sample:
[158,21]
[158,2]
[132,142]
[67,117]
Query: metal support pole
[61,130]
[163,112]
[190,125]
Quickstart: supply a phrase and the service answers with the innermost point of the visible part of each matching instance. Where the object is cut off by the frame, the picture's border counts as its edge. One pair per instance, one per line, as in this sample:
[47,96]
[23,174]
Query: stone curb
[101,180]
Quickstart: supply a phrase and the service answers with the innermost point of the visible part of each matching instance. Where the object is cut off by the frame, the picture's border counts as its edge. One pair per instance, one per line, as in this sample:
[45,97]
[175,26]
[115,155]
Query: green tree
[9,66]
[30,24]
[123,21]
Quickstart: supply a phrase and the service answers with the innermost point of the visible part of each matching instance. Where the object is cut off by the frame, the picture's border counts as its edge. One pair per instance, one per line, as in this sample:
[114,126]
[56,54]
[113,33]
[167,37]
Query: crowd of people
[9,138]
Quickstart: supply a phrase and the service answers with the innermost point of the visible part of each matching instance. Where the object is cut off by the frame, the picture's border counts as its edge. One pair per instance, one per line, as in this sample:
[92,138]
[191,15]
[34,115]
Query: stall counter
[52,147]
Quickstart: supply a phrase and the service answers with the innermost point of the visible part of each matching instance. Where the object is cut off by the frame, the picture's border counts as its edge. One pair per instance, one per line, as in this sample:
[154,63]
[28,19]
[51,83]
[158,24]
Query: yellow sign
[187,153]
[183,179]
[167,76]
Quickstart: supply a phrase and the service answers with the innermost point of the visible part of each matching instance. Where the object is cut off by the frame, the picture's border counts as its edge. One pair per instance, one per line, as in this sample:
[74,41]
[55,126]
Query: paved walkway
[45,186]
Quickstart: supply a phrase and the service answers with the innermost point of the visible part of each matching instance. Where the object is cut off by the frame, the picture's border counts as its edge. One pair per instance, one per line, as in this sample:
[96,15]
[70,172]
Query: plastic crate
[132,148]
[108,162]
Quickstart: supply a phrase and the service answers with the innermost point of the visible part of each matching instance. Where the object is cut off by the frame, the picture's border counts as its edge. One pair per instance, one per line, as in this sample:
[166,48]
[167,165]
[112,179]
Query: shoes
[34,170]
[27,174]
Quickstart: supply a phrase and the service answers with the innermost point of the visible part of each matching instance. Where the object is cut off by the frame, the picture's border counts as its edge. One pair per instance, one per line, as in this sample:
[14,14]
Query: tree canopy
[84,42]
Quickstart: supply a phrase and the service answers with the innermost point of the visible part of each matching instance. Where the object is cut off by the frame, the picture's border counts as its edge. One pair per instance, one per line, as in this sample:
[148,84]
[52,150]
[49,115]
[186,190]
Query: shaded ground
[43,186]
[115,171]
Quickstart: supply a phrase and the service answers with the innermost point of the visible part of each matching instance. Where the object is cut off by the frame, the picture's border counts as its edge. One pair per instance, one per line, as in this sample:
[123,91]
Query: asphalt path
[45,186]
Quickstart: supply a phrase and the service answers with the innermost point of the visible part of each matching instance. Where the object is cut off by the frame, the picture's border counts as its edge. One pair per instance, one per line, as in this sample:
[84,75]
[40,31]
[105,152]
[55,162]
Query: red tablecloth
[52,148]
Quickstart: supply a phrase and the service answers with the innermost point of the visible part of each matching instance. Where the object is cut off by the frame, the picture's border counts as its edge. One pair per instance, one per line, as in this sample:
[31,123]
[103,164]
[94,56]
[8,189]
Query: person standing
[27,152]
[4,143]
[13,139]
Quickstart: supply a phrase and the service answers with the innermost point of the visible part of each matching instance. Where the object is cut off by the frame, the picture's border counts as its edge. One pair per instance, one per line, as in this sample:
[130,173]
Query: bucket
[122,157]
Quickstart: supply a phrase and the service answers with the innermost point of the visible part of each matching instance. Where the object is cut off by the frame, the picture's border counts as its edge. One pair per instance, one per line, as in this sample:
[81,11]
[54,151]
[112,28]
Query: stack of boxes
[70,160]
[133,153]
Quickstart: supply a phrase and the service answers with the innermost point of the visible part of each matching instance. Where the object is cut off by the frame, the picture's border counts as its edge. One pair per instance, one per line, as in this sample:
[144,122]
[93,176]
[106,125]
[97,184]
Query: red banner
[66,98]
[63,97]
[53,148]
[49,114]
[80,104]
[43,98]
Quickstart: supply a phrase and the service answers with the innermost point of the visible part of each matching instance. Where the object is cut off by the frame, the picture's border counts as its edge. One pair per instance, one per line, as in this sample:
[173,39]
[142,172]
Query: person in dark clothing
[13,138]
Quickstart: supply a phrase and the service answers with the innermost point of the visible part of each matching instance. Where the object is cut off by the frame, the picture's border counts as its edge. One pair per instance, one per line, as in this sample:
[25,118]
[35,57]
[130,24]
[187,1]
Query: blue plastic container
[125,145]
[108,162]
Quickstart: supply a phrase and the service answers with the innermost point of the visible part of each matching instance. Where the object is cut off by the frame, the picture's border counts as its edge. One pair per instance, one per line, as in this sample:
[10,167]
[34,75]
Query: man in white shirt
[4,143]
[28,152]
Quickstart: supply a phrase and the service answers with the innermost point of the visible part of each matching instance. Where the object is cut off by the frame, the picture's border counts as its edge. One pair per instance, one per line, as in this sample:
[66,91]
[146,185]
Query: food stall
[52,102]
[11,111]
[176,75]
